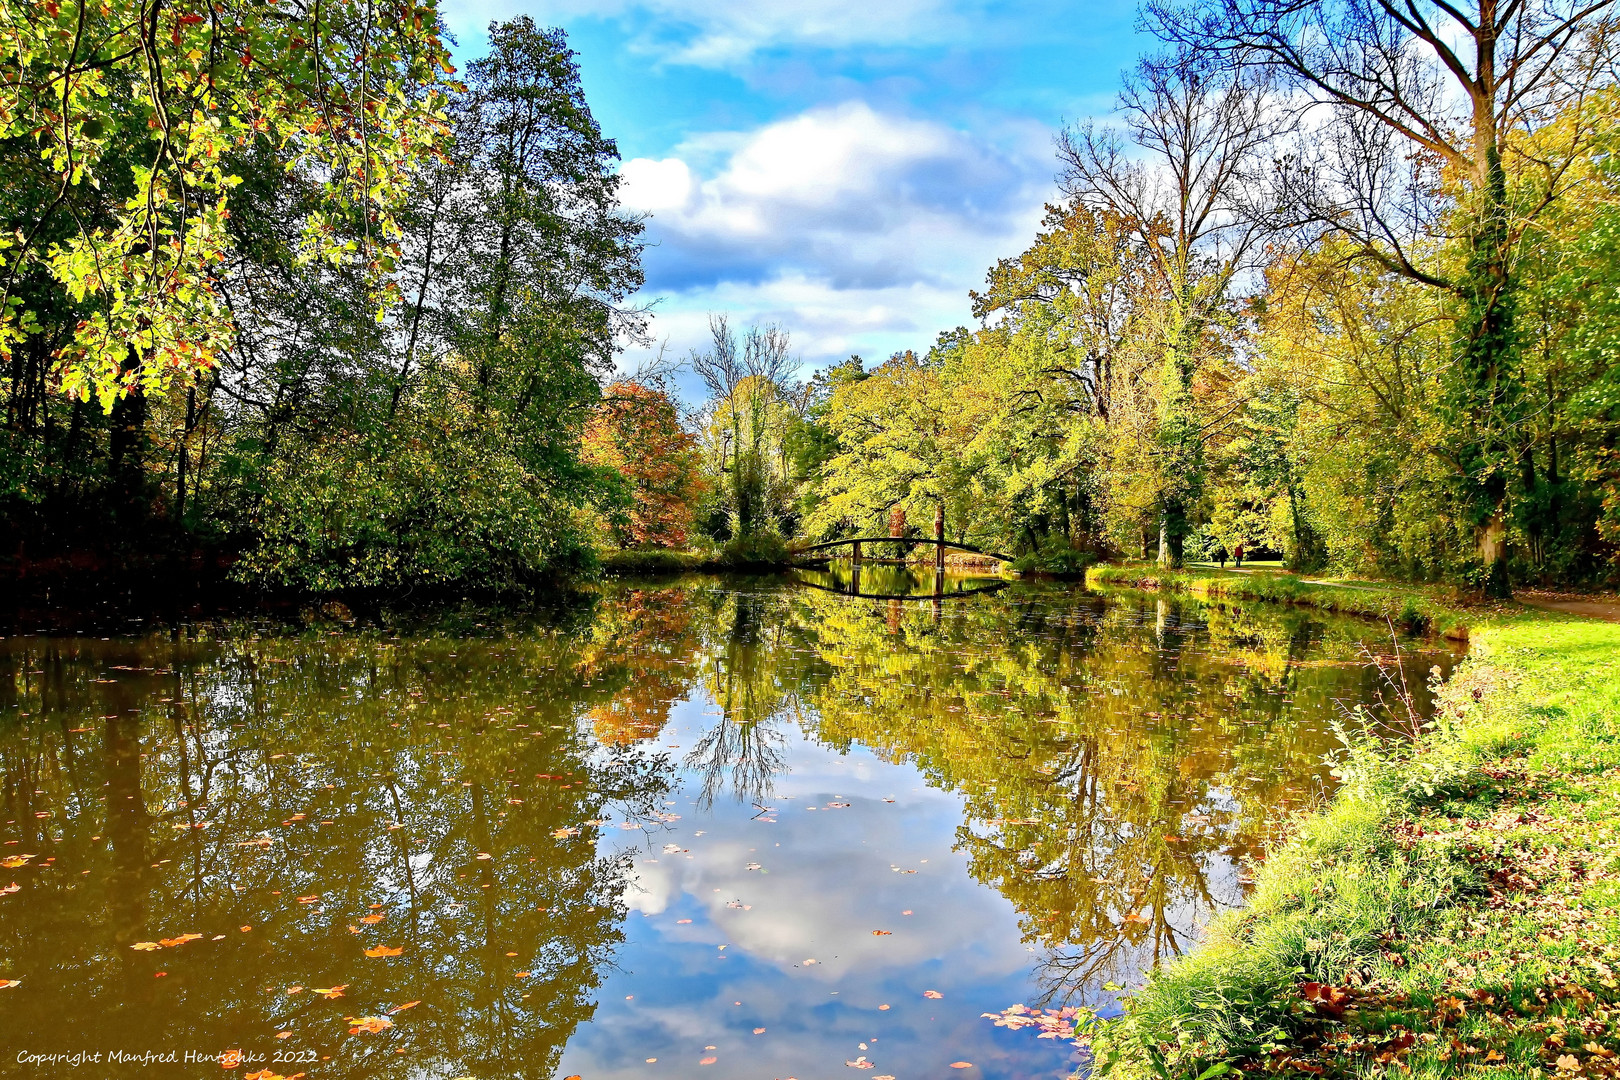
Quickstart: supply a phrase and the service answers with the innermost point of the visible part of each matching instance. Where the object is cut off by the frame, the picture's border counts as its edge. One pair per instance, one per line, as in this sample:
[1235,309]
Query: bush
[763,549]
[1057,559]
[393,510]
[651,562]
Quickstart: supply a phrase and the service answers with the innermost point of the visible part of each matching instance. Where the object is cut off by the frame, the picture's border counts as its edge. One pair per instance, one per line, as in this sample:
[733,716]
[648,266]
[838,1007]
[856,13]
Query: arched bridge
[941,546]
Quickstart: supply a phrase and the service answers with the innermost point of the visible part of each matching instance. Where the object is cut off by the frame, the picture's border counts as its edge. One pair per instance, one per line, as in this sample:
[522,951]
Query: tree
[1423,97]
[746,382]
[127,123]
[636,431]
[1196,200]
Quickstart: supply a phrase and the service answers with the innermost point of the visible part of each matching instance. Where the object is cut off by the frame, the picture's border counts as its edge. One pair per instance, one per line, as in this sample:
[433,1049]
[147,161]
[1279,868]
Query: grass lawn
[1455,910]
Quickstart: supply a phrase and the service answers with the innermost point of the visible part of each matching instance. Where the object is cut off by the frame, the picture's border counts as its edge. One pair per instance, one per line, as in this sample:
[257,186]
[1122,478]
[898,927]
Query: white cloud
[722,33]
[857,230]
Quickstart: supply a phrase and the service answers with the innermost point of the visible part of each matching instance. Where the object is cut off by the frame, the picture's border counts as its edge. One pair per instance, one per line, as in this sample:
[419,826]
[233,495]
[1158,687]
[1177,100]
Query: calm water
[744,830]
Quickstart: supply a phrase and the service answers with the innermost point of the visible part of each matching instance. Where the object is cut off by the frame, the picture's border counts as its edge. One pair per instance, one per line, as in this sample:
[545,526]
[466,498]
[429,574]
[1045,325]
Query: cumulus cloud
[850,226]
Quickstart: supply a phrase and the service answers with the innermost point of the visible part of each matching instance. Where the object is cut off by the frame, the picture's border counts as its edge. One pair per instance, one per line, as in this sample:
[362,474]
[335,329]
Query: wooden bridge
[941,545]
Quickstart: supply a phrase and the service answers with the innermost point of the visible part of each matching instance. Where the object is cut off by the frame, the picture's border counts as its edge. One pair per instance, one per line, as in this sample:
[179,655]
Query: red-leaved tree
[637,432]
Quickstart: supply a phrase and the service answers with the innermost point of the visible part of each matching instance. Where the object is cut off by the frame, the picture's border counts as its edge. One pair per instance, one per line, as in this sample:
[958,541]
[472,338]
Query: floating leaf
[368,1024]
[882,933]
[6,984]
[329,992]
[386,950]
[146,946]
[11,862]
[961,1064]
[402,1008]
[13,887]
[707,1060]
[171,942]
[371,920]
[932,994]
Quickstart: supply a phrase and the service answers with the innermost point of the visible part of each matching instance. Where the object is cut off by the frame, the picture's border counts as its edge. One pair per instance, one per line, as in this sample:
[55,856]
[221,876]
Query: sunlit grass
[1457,900]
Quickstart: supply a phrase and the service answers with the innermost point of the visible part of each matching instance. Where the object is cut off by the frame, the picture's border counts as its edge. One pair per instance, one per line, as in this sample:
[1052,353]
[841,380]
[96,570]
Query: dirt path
[1607,610]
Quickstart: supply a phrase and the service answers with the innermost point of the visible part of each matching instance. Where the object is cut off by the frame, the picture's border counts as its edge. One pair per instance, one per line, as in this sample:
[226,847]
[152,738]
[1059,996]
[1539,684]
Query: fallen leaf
[932,994]
[861,1063]
[961,1064]
[402,1008]
[759,1031]
[371,920]
[309,899]
[13,861]
[146,946]
[386,950]
[487,855]
[883,1008]
[368,1024]
[682,922]
[13,887]
[707,1060]
[171,942]
[6,984]
[330,991]
[565,831]
[883,933]
[295,990]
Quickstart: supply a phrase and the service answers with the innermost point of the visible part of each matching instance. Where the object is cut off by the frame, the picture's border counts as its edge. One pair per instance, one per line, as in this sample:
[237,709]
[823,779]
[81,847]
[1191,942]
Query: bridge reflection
[888,582]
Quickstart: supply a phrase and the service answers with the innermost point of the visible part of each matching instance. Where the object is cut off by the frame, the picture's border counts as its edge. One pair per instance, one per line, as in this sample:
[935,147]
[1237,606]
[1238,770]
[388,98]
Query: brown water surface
[703,829]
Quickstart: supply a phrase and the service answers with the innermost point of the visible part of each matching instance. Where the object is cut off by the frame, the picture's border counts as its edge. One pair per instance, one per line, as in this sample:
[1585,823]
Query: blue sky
[846,168]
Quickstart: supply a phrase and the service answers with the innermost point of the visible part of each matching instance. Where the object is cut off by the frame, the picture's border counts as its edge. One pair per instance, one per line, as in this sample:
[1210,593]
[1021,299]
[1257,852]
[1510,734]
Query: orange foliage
[656,635]
[636,431]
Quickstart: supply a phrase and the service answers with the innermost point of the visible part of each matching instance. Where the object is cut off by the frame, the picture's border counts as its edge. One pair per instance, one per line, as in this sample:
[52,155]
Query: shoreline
[1406,607]
[1454,907]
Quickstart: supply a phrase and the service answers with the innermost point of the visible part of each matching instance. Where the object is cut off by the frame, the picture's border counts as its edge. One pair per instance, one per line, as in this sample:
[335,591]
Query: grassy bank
[1406,607]
[1454,910]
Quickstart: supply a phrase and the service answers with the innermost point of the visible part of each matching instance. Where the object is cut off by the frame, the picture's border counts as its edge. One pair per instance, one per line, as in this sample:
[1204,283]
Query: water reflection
[560,825]
[888,581]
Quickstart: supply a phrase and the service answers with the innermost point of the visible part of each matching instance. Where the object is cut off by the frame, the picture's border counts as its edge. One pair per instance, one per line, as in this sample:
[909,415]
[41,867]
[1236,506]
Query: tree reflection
[297,801]
[300,797]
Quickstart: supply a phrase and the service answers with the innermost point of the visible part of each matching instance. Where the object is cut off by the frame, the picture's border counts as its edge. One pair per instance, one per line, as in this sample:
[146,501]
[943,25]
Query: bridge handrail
[969,548]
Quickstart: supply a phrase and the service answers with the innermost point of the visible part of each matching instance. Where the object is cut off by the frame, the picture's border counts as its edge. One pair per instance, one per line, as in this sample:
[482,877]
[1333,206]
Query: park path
[1607,610]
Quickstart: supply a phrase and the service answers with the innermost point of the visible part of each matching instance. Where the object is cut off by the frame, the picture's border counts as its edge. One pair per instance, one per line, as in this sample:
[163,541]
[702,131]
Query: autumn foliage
[636,432]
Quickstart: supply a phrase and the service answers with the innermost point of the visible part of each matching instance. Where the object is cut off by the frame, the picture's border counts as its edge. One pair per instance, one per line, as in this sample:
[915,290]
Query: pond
[718,829]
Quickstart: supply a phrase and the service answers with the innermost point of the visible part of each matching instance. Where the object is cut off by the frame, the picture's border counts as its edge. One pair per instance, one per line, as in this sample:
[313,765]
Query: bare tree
[1414,88]
[1189,177]
[743,384]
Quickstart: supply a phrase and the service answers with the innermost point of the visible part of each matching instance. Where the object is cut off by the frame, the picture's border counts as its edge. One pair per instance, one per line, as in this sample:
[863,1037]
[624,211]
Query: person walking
[1237,555]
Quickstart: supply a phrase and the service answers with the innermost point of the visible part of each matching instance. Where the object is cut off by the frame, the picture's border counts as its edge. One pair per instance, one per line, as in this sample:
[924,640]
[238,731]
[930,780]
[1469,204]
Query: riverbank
[1456,906]
[1409,608]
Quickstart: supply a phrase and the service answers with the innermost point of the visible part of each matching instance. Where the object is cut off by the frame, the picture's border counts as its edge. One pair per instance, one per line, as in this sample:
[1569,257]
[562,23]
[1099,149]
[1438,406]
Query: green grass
[1459,897]
[1409,608]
